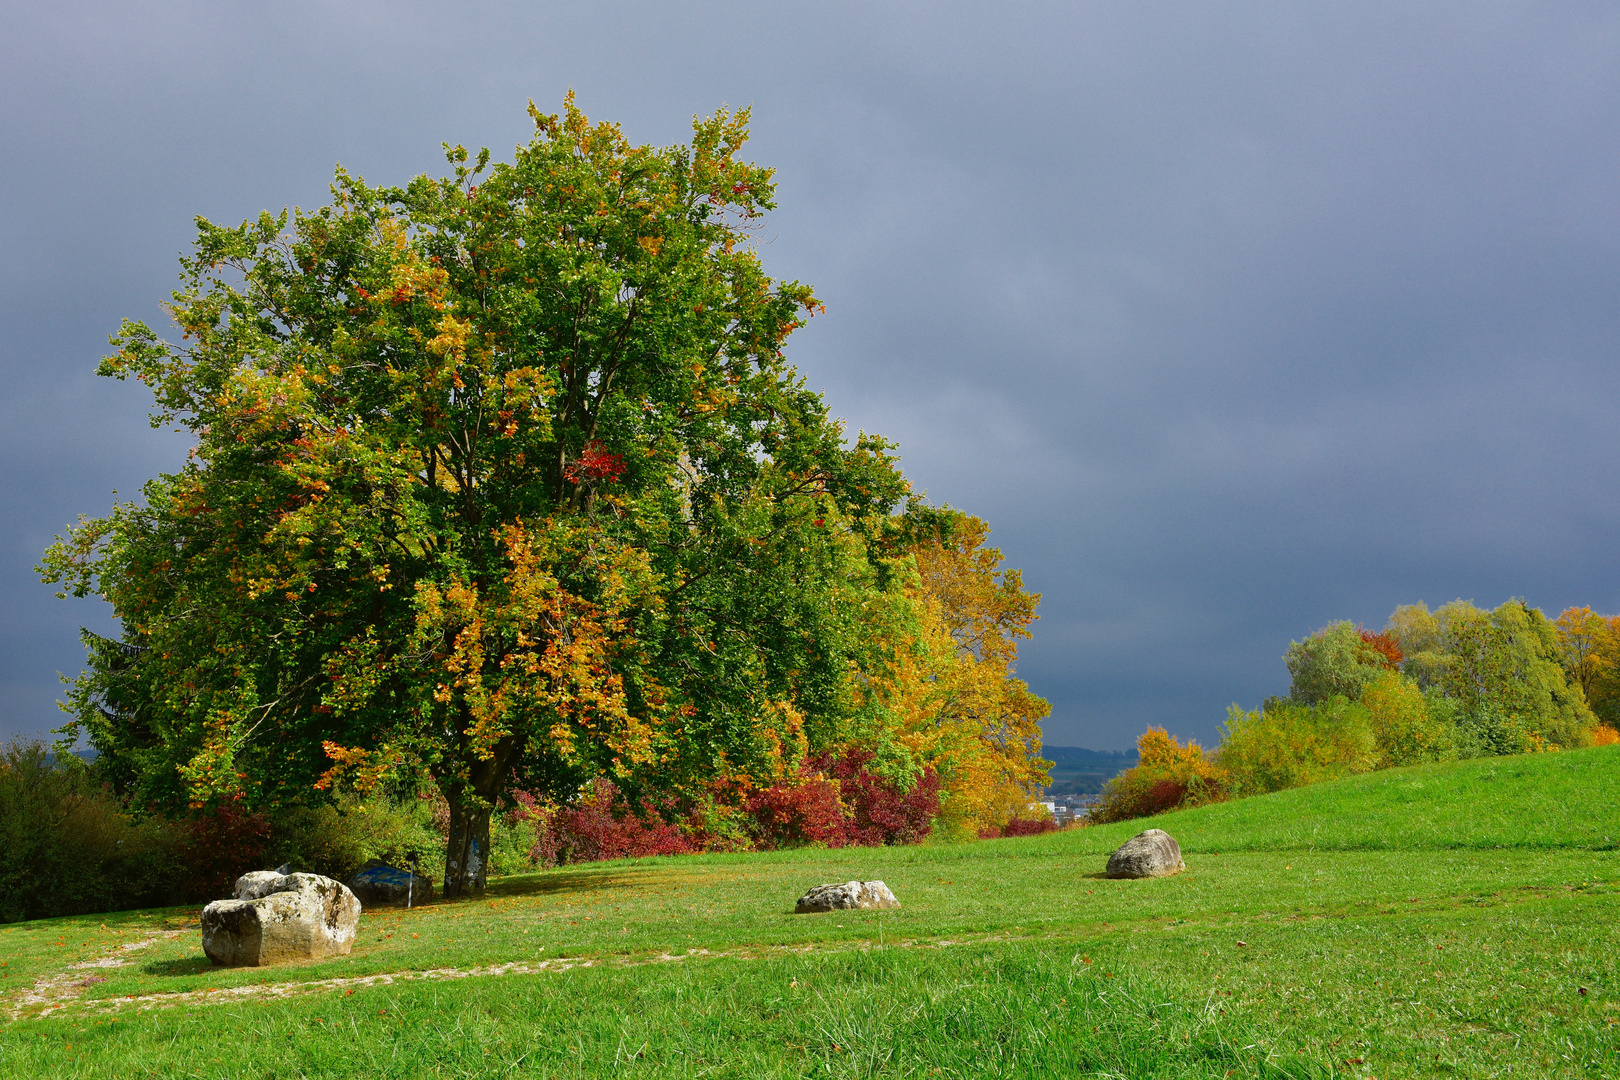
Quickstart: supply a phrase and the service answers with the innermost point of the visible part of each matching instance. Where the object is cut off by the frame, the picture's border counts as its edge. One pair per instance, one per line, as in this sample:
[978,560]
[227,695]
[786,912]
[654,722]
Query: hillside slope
[1382,953]
[1567,800]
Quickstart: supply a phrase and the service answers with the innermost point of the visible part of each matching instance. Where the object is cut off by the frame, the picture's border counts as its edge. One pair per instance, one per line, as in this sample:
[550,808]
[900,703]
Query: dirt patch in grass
[62,991]
[63,987]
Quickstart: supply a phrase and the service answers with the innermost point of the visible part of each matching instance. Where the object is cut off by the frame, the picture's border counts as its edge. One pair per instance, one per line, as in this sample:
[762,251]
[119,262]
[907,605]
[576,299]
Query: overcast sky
[1232,320]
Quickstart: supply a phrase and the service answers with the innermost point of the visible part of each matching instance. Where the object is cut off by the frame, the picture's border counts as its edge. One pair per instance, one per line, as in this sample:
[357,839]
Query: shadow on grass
[1103,875]
[188,965]
[565,881]
[538,883]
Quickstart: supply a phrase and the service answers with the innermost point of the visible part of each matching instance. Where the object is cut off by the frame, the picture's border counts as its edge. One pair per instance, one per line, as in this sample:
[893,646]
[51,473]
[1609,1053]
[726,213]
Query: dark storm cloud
[1231,321]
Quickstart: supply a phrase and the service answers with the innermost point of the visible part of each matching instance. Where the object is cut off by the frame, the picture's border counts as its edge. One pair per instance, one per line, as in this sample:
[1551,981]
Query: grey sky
[1231,319]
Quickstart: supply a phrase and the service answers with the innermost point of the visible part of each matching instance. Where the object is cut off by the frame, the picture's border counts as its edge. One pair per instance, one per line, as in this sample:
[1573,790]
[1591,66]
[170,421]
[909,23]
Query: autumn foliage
[502,483]
[951,685]
[1167,775]
[600,824]
[1431,686]
[1383,644]
[803,812]
[838,802]
[1589,649]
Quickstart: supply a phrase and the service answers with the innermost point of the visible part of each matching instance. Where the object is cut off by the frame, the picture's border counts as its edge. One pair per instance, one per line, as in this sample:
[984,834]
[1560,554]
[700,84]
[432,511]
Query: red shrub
[221,846]
[834,801]
[603,826]
[798,814]
[1138,792]
[877,811]
[1020,827]
[1166,794]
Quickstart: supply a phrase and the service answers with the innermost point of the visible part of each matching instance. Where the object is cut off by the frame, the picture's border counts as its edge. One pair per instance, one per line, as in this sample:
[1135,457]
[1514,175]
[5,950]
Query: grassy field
[1456,920]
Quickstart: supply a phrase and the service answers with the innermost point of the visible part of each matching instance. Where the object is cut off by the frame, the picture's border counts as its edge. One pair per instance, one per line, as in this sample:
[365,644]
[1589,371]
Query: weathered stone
[378,883]
[845,896]
[257,883]
[1153,853]
[277,918]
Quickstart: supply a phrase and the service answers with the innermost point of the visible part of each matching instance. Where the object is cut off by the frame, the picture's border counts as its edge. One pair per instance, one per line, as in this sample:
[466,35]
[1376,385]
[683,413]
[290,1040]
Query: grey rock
[278,918]
[1153,853]
[257,883]
[844,896]
[378,883]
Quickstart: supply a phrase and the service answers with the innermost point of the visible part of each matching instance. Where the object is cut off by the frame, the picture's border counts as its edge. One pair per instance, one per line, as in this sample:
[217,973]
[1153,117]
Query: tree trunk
[471,794]
[466,854]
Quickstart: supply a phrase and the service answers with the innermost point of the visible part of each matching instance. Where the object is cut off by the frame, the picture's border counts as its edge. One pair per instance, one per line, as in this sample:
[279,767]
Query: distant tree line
[1456,682]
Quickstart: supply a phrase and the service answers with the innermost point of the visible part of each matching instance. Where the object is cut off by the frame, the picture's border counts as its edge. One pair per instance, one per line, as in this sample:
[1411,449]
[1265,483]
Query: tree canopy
[502,478]
[1431,686]
[1340,659]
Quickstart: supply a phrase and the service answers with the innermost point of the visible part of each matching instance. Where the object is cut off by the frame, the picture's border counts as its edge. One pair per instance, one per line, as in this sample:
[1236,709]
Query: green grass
[1549,801]
[1437,921]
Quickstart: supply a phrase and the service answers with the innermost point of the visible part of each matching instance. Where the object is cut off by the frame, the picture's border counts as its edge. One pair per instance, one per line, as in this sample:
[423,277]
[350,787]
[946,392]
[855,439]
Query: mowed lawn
[1452,920]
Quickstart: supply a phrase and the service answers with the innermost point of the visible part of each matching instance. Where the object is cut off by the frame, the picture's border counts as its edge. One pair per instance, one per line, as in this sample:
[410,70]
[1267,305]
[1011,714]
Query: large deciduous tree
[501,477]
[1513,674]
[1509,660]
[1589,649]
[950,683]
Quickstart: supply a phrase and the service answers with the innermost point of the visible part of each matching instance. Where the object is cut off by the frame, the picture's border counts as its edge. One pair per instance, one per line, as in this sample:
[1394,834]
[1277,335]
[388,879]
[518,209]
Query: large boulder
[256,883]
[1153,853]
[276,918]
[377,883]
[844,896]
